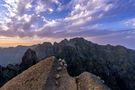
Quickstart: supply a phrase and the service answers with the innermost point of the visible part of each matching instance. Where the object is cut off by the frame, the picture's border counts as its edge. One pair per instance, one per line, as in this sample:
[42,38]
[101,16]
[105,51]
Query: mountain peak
[64,41]
[28,59]
[78,39]
[114,64]
[50,74]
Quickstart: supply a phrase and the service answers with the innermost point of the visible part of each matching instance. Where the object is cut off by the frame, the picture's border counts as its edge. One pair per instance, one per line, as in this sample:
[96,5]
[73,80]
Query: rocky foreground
[51,74]
[114,64]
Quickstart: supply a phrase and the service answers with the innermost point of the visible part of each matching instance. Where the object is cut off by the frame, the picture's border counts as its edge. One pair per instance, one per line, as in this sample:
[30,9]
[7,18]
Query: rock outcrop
[50,74]
[88,81]
[59,79]
[10,71]
[32,79]
[7,73]
[29,59]
[114,64]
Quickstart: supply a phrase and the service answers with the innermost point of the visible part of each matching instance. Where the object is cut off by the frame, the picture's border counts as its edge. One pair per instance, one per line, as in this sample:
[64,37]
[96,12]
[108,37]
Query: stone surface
[88,81]
[42,77]
[32,79]
[29,59]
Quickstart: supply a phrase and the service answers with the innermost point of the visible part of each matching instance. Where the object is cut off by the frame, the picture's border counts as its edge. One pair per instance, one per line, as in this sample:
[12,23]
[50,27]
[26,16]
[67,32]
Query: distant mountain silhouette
[114,64]
[12,55]
[29,59]
[10,71]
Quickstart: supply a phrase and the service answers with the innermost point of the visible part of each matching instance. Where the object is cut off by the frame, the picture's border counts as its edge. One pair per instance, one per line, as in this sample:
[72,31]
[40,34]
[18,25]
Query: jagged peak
[47,43]
[64,41]
[77,38]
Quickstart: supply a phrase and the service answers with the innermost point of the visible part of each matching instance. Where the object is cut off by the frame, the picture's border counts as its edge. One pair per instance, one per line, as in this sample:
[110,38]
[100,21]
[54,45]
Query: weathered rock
[65,65]
[32,79]
[88,81]
[114,64]
[59,68]
[65,82]
[58,76]
[42,77]
[61,64]
[60,60]
[57,83]
[29,59]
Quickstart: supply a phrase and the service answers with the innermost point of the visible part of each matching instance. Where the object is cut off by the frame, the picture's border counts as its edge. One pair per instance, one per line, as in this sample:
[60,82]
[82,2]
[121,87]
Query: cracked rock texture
[42,76]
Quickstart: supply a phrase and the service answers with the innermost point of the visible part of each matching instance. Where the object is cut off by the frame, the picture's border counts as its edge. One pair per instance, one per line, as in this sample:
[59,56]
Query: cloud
[130,22]
[57,19]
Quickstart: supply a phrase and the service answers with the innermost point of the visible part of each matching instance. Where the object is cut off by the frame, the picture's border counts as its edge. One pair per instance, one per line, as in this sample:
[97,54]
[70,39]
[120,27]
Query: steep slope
[10,71]
[114,64]
[50,74]
[31,79]
[29,59]
[59,79]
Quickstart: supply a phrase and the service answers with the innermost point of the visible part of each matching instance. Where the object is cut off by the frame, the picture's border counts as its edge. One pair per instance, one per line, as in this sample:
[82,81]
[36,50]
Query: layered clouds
[103,21]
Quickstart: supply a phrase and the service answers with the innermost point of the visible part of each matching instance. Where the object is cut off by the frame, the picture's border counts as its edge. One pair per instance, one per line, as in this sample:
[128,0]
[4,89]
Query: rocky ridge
[10,71]
[114,64]
[51,74]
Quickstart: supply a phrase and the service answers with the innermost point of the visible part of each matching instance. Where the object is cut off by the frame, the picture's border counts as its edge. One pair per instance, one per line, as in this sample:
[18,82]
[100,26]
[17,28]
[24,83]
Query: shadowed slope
[50,74]
[114,64]
[31,79]
[59,79]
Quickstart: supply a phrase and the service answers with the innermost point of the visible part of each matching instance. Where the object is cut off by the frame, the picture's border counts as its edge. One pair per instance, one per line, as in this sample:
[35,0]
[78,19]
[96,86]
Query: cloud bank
[102,20]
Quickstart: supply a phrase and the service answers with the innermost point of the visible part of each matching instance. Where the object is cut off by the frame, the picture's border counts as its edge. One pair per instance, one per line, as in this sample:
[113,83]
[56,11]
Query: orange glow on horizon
[27,41]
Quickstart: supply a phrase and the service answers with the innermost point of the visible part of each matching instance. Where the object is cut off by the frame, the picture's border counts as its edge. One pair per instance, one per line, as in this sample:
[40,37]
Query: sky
[28,22]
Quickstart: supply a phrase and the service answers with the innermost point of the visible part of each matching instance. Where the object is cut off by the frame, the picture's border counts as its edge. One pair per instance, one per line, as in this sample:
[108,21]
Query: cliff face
[10,71]
[31,79]
[29,59]
[50,74]
[114,64]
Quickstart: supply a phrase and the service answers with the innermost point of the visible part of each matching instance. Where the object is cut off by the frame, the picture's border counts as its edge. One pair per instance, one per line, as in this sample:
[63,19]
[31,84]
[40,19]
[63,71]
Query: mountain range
[114,64]
[12,55]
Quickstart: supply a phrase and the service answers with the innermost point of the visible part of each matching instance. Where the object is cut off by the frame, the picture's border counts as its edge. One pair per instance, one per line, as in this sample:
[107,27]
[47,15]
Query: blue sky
[101,21]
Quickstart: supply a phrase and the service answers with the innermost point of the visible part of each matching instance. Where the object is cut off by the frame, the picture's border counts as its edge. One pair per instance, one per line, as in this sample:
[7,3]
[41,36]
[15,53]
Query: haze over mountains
[53,28]
[12,55]
[114,64]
